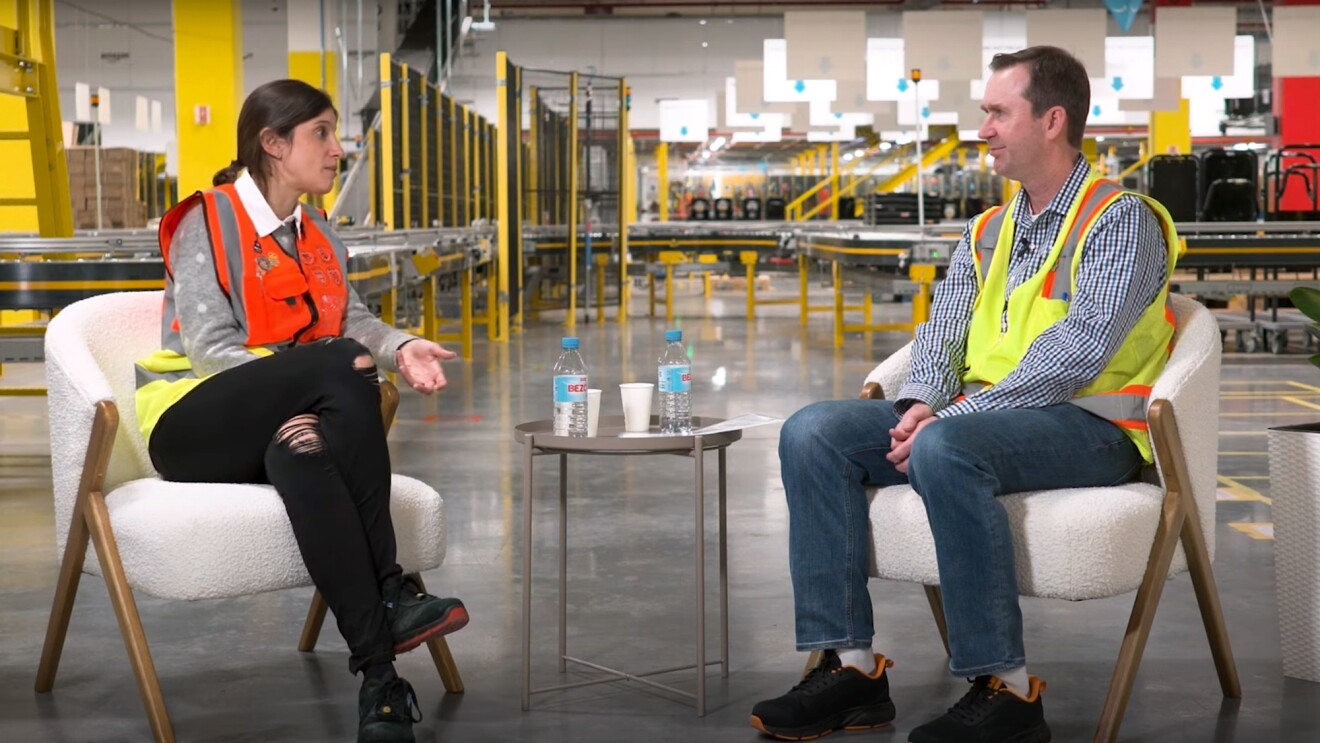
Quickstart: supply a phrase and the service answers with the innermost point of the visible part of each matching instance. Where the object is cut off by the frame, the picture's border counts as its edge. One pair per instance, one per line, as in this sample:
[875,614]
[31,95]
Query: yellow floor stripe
[1241,492]
[1268,414]
[1263,531]
[1264,395]
[1303,403]
[1225,382]
[1303,386]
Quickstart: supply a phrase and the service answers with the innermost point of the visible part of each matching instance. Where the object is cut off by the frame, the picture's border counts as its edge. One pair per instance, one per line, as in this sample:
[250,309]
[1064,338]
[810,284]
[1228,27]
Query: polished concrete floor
[230,670]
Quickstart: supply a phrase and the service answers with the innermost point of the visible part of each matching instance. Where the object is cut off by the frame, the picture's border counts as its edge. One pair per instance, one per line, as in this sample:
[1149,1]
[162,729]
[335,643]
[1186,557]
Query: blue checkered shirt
[1123,268]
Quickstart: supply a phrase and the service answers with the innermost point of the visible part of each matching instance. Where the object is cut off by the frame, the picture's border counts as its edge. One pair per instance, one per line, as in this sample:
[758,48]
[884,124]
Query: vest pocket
[284,306]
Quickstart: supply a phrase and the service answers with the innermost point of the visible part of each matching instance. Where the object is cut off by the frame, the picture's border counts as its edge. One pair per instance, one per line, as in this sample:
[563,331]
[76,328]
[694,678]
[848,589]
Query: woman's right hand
[419,363]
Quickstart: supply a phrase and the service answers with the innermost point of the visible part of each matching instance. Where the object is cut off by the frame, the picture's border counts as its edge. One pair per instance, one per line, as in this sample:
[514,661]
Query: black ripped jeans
[235,427]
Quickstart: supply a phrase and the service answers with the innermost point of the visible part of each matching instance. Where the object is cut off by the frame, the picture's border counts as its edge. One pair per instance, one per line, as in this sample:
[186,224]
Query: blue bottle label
[675,379]
[570,388]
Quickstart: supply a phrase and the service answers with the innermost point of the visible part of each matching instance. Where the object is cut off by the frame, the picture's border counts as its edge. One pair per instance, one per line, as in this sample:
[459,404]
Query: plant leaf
[1306,299]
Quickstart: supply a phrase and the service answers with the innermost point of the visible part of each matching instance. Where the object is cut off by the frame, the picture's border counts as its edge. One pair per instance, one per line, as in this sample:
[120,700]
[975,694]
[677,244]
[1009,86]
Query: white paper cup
[636,406]
[593,411]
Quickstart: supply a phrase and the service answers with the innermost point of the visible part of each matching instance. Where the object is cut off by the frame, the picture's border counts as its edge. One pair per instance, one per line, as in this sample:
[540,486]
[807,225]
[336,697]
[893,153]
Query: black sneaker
[831,697]
[416,617]
[989,713]
[386,711]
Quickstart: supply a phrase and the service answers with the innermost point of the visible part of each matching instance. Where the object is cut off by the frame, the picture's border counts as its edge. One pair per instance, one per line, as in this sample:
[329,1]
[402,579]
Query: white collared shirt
[258,209]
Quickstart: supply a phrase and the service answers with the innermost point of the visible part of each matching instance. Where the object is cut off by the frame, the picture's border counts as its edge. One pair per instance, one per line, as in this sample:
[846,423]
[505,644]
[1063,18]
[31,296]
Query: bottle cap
[673,335]
[569,343]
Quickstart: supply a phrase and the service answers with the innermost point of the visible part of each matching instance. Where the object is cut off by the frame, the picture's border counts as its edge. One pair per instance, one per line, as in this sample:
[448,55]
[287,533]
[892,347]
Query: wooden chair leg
[130,625]
[936,600]
[1141,619]
[445,665]
[1212,614]
[312,626]
[444,660]
[104,424]
[66,590]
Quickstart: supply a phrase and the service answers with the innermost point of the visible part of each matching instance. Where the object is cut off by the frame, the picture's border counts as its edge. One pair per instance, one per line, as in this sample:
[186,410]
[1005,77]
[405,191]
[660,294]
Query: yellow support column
[924,275]
[837,271]
[602,260]
[312,58]
[479,158]
[452,127]
[430,320]
[465,310]
[834,181]
[405,144]
[1091,151]
[208,71]
[748,259]
[669,258]
[662,179]
[385,153]
[627,203]
[469,165]
[571,320]
[504,169]
[424,118]
[533,153]
[803,282]
[1170,132]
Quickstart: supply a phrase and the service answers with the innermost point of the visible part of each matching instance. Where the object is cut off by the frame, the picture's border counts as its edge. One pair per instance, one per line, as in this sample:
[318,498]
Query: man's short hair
[1057,79]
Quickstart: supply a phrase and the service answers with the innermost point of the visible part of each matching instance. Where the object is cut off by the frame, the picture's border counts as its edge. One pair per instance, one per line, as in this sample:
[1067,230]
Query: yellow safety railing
[1134,167]
[856,181]
[928,158]
[793,211]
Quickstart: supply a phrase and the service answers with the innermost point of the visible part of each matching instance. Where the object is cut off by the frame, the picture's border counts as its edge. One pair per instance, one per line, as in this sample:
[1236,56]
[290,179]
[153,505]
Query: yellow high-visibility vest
[1121,392]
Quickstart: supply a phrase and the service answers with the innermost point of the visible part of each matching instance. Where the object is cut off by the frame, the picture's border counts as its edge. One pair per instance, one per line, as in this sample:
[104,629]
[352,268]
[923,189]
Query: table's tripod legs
[697,455]
[527,575]
[563,561]
[724,571]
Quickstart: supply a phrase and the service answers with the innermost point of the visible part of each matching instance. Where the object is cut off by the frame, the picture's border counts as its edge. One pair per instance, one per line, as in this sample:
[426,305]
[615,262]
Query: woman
[268,373]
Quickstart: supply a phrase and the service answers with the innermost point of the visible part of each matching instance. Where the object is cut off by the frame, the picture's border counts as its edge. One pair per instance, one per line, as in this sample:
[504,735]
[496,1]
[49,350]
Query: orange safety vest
[274,298]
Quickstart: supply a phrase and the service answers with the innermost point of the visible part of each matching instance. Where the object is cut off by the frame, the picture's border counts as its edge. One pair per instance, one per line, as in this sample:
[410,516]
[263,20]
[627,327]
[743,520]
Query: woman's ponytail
[228,174]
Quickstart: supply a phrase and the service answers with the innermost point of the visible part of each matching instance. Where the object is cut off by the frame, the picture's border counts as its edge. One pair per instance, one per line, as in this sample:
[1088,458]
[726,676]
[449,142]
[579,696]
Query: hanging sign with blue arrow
[1124,12]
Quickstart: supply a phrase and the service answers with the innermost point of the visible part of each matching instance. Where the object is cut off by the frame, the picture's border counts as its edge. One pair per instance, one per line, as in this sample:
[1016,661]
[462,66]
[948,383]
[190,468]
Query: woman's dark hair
[1057,79]
[279,106]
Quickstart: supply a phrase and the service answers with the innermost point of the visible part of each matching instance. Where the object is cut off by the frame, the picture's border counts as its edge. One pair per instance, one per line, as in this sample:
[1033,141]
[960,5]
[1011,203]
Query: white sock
[1017,681]
[863,659]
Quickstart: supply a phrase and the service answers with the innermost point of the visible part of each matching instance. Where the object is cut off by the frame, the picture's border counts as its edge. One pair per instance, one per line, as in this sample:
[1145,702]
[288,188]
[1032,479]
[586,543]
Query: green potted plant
[1295,490]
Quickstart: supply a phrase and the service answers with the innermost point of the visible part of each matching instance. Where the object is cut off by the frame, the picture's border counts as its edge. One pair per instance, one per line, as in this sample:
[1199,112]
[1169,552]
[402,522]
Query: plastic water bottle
[675,386]
[570,391]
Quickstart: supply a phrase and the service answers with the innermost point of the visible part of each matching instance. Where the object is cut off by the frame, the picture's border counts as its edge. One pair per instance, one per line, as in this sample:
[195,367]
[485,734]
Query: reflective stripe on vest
[144,376]
[988,224]
[1125,408]
[1097,198]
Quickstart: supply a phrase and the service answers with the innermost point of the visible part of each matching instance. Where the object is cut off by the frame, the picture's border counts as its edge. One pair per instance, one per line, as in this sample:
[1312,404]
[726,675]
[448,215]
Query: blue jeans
[830,452]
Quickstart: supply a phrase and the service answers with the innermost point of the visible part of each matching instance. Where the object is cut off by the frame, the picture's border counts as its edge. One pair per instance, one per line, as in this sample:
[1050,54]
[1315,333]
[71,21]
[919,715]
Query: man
[1032,373]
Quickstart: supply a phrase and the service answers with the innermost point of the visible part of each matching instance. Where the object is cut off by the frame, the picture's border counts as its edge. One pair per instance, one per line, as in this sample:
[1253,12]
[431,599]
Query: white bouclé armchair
[173,540]
[1088,543]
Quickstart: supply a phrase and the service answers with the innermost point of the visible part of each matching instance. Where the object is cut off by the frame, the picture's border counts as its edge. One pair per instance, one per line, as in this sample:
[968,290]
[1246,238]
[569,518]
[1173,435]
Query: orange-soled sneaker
[832,697]
[989,713]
